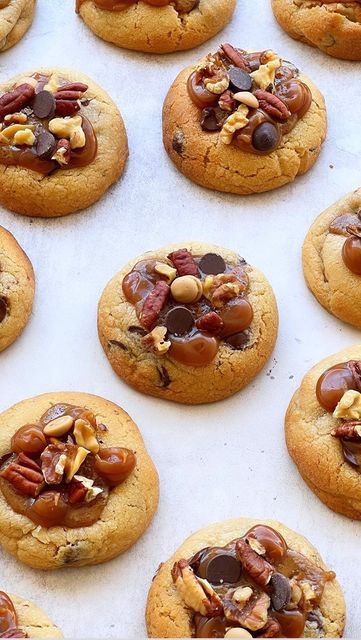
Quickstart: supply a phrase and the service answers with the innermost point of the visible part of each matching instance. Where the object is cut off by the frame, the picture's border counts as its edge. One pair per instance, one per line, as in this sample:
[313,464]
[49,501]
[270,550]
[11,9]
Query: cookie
[243,122]
[156,26]
[332,259]
[192,323]
[333,27]
[21,618]
[245,578]
[62,143]
[17,286]
[16,17]
[77,486]
[322,435]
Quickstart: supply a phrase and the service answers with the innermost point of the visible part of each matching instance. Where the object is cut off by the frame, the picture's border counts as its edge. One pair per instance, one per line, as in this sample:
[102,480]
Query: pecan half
[257,567]
[252,614]
[15,100]
[211,323]
[272,105]
[14,633]
[154,303]
[25,475]
[67,98]
[350,430]
[184,263]
[237,58]
[196,593]
[272,629]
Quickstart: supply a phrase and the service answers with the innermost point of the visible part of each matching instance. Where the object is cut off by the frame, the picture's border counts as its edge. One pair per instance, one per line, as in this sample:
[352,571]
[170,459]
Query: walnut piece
[222,288]
[84,434]
[92,492]
[155,341]
[218,83]
[237,120]
[252,614]
[69,128]
[265,75]
[349,407]
[18,134]
[196,593]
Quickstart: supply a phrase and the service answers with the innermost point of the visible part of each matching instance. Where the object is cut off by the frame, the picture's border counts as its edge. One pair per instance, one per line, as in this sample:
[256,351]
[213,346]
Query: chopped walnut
[349,407]
[155,341]
[265,75]
[234,122]
[218,83]
[196,593]
[222,288]
[252,614]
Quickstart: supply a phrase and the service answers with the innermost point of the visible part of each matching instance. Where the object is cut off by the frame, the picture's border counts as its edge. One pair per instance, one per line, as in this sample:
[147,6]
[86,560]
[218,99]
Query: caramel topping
[120,5]
[351,254]
[195,351]
[335,381]
[339,225]
[8,617]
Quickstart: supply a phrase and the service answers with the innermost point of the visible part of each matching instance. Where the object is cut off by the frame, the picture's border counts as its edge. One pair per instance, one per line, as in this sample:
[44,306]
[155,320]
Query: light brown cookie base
[203,158]
[334,28]
[158,29]
[17,285]
[70,190]
[331,282]
[166,615]
[166,378]
[127,514]
[33,620]
[317,454]
[15,20]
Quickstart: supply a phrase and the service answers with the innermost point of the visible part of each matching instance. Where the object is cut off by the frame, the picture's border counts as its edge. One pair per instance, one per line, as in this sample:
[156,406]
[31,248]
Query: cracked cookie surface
[17,286]
[66,191]
[15,19]
[33,621]
[167,616]
[202,157]
[166,378]
[332,27]
[158,29]
[128,512]
[317,454]
[327,276]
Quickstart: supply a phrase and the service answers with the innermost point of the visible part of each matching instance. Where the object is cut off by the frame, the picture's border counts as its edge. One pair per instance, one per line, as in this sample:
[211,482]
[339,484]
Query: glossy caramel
[8,617]
[351,254]
[333,383]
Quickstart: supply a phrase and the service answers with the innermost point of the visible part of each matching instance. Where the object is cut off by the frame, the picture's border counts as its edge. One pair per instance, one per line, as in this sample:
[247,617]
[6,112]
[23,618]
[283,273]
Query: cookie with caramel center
[24,619]
[16,17]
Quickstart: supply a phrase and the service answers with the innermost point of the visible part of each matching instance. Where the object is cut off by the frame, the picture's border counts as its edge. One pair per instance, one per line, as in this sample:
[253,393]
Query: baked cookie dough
[243,122]
[323,431]
[156,26]
[245,578]
[21,618]
[17,286]
[16,17]
[333,27]
[62,143]
[191,322]
[77,486]
[332,259]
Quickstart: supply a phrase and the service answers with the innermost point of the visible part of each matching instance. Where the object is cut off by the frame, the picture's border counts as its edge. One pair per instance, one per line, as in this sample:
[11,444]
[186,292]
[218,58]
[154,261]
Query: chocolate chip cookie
[77,485]
[17,286]
[156,26]
[245,578]
[189,322]
[21,618]
[332,258]
[243,122]
[333,27]
[62,143]
[323,431]
[16,17]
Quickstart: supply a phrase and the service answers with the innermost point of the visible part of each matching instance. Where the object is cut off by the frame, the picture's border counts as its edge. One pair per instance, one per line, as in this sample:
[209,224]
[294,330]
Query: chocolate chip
[239,340]
[3,309]
[266,137]
[179,320]
[280,591]
[212,263]
[223,568]
[164,376]
[45,145]
[44,104]
[178,141]
[138,330]
[239,80]
[116,343]
[213,118]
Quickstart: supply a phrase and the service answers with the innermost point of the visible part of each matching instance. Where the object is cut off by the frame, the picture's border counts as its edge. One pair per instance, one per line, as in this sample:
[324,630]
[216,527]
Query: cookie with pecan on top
[16,17]
[243,122]
[21,618]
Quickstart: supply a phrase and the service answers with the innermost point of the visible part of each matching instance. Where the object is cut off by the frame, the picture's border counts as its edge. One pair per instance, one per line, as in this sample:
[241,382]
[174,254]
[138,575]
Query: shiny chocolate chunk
[179,321]
[212,263]
[45,145]
[239,80]
[266,137]
[44,104]
[3,309]
[280,591]
[238,340]
[219,566]
[209,627]
[213,118]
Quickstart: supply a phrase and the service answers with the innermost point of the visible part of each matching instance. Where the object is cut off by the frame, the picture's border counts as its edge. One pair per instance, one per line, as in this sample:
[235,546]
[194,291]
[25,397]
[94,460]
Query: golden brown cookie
[17,286]
[194,323]
[21,618]
[332,258]
[16,17]
[77,485]
[227,590]
[320,439]
[175,26]
[243,122]
[62,143]
[333,27]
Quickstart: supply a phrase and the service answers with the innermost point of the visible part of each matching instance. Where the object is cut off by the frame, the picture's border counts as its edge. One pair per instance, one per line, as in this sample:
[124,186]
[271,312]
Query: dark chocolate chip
[138,330]
[212,263]
[280,591]
[45,145]
[179,320]
[178,141]
[209,627]
[239,80]
[213,118]
[239,340]
[44,104]
[3,308]
[164,376]
[266,137]
[223,568]
[116,343]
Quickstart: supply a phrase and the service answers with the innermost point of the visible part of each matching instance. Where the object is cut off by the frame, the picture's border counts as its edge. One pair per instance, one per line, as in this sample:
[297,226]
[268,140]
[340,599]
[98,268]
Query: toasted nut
[53,84]
[349,407]
[308,592]
[59,426]
[24,137]
[27,80]
[92,492]
[61,464]
[69,128]
[155,341]
[84,435]
[8,134]
[234,122]
[242,595]
[237,632]
[75,464]
[196,593]
[265,75]
[62,154]
[16,118]
[166,270]
[256,546]
[216,85]
[187,289]
[246,97]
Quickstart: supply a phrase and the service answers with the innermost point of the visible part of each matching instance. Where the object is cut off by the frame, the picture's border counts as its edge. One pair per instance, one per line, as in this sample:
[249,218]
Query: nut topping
[154,303]
[349,407]
[196,593]
[69,128]
[350,430]
[165,270]
[258,568]
[251,614]
[155,341]
[184,263]
[235,56]
[272,105]
[24,474]
[84,434]
[59,426]
[15,100]
[187,289]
